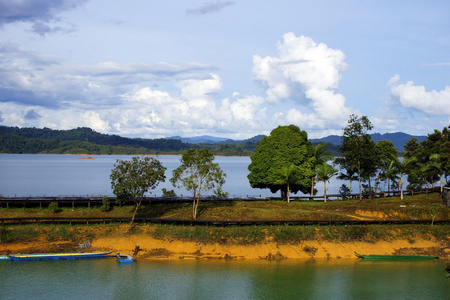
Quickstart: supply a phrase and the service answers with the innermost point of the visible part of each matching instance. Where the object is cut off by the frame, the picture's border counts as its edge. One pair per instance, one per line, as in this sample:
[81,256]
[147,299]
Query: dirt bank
[151,248]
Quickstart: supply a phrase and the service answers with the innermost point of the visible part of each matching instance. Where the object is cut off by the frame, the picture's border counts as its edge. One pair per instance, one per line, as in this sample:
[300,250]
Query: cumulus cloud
[162,99]
[307,73]
[209,7]
[30,10]
[40,13]
[35,79]
[432,103]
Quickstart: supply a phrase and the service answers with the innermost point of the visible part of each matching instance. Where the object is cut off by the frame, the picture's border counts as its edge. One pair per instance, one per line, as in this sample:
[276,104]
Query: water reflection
[290,279]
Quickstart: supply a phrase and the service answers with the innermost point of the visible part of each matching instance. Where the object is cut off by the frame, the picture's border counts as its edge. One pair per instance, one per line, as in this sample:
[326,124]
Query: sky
[231,69]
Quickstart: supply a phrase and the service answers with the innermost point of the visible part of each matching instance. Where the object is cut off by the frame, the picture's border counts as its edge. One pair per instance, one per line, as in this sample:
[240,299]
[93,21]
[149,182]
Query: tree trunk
[195,206]
[137,203]
[325,191]
[401,186]
[359,180]
[287,192]
[312,187]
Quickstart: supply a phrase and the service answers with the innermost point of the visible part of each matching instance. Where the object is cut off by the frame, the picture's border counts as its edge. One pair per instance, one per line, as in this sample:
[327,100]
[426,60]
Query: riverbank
[117,239]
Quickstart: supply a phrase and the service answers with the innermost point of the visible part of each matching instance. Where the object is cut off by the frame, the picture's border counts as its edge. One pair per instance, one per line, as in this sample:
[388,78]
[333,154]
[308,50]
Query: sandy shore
[173,249]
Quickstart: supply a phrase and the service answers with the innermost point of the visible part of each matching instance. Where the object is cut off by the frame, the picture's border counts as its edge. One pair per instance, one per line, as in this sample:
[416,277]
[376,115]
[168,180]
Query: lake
[72,175]
[289,279]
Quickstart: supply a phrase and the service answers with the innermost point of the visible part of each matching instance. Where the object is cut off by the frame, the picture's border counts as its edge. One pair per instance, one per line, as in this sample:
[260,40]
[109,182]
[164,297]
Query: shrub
[53,207]
[168,193]
[106,204]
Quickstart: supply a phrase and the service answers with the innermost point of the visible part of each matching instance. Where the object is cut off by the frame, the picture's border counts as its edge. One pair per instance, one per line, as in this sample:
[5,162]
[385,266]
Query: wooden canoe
[395,257]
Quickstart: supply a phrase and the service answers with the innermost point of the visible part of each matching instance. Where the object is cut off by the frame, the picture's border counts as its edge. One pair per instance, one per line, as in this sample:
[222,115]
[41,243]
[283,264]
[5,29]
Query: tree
[324,172]
[357,148]
[384,151]
[286,145]
[402,166]
[197,173]
[287,176]
[320,156]
[132,179]
[436,168]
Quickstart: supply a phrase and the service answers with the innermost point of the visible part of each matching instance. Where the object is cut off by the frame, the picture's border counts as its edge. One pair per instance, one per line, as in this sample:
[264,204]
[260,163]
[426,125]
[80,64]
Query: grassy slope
[417,207]
[411,208]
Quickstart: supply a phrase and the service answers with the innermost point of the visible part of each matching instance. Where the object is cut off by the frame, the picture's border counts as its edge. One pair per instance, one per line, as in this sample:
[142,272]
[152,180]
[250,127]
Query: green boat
[396,257]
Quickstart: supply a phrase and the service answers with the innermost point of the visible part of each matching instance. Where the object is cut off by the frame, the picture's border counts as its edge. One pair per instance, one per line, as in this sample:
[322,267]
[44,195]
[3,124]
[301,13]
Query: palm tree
[324,172]
[349,175]
[320,156]
[390,174]
[402,166]
[286,176]
[436,168]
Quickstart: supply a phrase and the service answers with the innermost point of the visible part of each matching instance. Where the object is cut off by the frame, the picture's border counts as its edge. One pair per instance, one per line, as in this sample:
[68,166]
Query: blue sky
[231,69]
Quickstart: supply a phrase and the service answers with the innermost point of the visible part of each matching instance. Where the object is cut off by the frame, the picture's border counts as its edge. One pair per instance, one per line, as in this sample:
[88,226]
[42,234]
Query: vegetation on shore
[419,207]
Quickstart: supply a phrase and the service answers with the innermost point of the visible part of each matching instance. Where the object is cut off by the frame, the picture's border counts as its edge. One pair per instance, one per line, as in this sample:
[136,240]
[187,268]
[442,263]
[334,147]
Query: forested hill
[87,141]
[399,139]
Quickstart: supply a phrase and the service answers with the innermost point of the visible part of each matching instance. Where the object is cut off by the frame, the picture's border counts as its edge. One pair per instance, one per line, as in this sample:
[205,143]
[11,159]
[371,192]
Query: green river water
[289,279]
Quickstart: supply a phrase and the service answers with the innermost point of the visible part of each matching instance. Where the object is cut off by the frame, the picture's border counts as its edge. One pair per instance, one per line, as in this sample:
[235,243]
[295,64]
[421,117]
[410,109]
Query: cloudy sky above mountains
[231,69]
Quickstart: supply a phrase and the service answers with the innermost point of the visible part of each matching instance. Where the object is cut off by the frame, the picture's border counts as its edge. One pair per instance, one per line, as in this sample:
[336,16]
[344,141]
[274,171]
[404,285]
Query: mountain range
[399,139]
[86,140]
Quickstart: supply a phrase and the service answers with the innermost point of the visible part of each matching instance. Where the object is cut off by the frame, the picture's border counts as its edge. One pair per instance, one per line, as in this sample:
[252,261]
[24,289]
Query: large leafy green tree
[286,145]
[358,149]
[132,179]
[197,173]
[436,143]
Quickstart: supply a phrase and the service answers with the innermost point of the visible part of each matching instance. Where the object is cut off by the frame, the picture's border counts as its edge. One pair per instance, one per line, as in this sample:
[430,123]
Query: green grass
[411,208]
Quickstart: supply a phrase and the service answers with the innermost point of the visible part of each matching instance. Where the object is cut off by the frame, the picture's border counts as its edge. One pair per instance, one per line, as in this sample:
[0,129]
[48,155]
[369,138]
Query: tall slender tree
[324,172]
[132,179]
[357,148]
[320,156]
[197,173]
[402,166]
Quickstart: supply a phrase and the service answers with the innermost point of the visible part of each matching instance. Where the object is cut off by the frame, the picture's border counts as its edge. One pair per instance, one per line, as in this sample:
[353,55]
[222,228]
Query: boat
[395,257]
[124,258]
[54,256]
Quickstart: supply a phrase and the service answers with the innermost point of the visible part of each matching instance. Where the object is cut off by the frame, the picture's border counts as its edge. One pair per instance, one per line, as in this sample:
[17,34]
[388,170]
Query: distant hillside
[88,135]
[399,139]
[204,139]
[86,140]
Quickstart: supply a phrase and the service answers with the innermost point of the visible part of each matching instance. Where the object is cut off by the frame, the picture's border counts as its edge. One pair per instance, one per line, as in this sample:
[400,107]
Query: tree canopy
[132,179]
[358,149]
[198,173]
[286,145]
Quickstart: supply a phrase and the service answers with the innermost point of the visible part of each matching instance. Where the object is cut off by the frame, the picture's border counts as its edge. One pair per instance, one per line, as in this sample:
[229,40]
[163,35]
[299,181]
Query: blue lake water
[290,279]
[67,175]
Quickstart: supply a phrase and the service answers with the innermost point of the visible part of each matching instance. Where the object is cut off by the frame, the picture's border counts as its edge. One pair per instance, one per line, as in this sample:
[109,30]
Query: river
[290,279]
[73,175]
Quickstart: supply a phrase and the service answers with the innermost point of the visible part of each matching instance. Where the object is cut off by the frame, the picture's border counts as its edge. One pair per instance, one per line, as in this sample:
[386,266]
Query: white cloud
[432,103]
[305,69]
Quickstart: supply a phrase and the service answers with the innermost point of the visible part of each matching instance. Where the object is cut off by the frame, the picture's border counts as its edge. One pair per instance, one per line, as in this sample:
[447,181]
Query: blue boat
[54,256]
[124,258]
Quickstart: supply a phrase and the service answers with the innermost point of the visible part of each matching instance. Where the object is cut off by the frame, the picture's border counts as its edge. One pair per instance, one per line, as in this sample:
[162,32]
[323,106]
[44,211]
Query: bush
[53,207]
[106,204]
[168,193]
